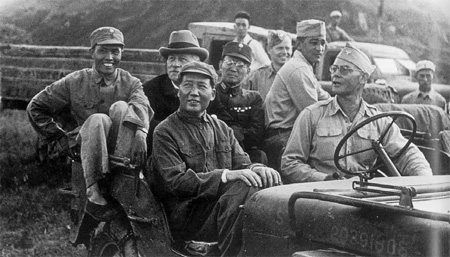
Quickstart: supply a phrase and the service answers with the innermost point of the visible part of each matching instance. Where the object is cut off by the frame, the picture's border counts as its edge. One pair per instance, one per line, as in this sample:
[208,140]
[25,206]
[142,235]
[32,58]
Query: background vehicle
[27,69]
[393,78]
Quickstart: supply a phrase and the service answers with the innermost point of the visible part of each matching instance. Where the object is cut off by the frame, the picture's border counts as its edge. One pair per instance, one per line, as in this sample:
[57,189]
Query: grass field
[34,218]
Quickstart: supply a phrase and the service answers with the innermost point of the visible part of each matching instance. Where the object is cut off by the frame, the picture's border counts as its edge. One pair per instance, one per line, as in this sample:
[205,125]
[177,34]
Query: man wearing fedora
[295,87]
[111,112]
[162,90]
[425,94]
[241,109]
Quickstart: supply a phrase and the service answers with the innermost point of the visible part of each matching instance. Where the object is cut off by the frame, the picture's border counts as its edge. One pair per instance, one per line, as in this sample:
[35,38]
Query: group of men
[205,134]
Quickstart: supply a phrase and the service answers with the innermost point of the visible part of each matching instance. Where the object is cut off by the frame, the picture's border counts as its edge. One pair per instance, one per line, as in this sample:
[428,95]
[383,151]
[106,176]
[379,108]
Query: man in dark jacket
[202,175]
[162,90]
[240,108]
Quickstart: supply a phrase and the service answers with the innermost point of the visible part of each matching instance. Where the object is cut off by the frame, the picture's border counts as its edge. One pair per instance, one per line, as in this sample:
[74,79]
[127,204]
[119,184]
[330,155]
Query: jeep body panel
[327,216]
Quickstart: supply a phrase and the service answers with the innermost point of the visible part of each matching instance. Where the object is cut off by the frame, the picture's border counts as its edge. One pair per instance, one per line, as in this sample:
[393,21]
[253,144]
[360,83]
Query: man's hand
[247,175]
[269,176]
[259,176]
[139,148]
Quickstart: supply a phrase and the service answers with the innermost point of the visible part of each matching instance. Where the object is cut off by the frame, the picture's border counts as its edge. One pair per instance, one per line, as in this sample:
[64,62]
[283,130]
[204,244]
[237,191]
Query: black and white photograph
[182,128]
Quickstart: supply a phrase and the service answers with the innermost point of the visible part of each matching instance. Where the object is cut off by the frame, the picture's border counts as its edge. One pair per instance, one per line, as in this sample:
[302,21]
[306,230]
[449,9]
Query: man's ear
[213,94]
[364,78]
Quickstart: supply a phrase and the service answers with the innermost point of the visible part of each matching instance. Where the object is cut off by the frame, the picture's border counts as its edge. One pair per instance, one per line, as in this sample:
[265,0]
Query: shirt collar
[234,90]
[363,108]
[185,116]
[299,55]
[98,78]
[246,40]
[424,94]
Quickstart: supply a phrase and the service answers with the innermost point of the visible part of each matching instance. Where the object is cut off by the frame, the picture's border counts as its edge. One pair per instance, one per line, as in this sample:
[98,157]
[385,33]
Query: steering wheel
[376,145]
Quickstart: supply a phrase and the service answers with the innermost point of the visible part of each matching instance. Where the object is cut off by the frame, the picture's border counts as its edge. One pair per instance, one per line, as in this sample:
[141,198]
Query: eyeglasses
[239,64]
[344,70]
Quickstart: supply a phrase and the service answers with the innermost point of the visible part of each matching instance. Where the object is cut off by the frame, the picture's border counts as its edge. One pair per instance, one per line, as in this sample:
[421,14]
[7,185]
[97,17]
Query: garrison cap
[335,13]
[238,50]
[106,36]
[311,28]
[356,57]
[425,64]
[199,68]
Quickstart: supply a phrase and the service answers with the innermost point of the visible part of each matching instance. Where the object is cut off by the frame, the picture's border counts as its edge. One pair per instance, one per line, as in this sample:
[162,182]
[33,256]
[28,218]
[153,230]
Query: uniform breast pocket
[326,141]
[193,156]
[223,154]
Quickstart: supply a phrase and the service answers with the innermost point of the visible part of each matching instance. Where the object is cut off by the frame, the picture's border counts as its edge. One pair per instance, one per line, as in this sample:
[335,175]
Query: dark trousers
[218,219]
[274,147]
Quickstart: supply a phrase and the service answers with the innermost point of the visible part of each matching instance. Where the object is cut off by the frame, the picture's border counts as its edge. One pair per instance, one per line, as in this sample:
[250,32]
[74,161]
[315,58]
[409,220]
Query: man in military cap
[111,112]
[241,26]
[309,154]
[279,47]
[425,94]
[241,109]
[334,32]
[200,171]
[162,90]
[294,88]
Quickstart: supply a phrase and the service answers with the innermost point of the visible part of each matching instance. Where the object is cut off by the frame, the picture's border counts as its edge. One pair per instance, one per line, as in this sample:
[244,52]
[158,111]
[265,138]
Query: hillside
[420,27]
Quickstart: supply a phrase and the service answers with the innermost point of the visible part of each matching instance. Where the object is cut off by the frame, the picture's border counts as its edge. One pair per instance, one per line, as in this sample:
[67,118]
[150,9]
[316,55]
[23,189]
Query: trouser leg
[225,221]
[274,147]
[100,135]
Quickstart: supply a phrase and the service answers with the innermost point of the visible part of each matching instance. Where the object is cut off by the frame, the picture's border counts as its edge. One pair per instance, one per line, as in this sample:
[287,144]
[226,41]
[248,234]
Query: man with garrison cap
[309,154]
[162,90]
[241,109]
[334,32]
[295,87]
[200,172]
[111,112]
[425,94]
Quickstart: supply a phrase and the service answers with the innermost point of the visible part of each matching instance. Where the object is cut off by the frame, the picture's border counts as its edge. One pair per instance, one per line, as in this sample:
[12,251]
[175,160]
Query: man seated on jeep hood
[201,173]
[425,94]
[309,154]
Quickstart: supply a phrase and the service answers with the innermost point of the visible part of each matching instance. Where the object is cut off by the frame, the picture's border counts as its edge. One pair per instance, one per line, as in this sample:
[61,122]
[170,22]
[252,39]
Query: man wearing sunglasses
[309,154]
[240,108]
[294,88]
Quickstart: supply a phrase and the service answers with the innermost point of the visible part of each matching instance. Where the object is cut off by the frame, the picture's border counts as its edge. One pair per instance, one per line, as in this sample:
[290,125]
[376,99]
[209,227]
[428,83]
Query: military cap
[106,36]
[238,50]
[311,28]
[335,13]
[425,64]
[199,68]
[353,55]
[183,42]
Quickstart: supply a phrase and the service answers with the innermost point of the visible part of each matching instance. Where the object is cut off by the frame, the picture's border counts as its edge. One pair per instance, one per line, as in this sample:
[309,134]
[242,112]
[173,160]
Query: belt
[276,132]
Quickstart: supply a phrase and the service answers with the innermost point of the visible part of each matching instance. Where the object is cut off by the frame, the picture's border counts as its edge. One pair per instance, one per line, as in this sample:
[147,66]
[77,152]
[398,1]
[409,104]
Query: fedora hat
[183,42]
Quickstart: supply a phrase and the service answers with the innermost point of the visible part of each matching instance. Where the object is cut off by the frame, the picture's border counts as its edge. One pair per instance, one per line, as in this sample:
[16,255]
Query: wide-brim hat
[183,42]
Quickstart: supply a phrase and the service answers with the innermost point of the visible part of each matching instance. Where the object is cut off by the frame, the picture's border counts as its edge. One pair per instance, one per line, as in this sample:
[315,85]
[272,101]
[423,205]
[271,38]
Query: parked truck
[27,69]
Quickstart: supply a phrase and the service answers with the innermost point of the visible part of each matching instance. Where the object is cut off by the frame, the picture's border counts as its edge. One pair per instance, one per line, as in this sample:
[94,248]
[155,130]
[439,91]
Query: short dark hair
[242,15]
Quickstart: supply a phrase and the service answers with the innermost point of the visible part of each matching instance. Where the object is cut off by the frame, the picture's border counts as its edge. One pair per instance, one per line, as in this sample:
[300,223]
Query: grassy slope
[34,219]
